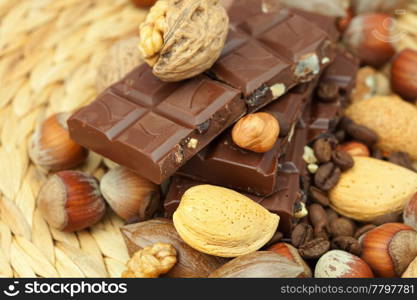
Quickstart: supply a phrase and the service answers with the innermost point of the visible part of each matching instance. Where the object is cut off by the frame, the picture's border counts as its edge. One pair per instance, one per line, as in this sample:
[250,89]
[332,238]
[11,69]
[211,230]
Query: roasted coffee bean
[331,214]
[387,218]
[275,238]
[347,243]
[344,123]
[322,150]
[314,248]
[376,153]
[362,134]
[401,159]
[362,230]
[343,160]
[340,135]
[318,218]
[301,234]
[327,176]
[342,227]
[319,196]
[328,91]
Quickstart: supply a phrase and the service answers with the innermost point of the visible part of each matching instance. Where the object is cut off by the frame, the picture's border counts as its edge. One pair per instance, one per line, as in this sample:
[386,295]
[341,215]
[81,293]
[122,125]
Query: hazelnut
[404,74]
[143,3]
[369,37]
[51,147]
[291,253]
[389,249]
[411,271]
[410,212]
[355,149]
[130,195]
[256,132]
[71,201]
[181,39]
[341,264]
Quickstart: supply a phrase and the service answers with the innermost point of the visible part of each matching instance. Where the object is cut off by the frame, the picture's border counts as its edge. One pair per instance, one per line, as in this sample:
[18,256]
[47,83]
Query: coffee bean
[401,159]
[275,238]
[301,234]
[343,160]
[387,218]
[344,123]
[328,91]
[342,227]
[322,150]
[362,134]
[327,176]
[347,243]
[331,214]
[362,230]
[322,230]
[340,135]
[319,196]
[317,214]
[314,248]
[376,153]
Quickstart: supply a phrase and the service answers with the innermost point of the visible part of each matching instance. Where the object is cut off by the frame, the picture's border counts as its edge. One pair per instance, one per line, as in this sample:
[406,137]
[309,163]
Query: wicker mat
[49,54]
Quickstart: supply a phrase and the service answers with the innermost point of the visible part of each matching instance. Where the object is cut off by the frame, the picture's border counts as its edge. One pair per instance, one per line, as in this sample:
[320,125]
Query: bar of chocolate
[223,163]
[154,127]
[266,54]
[281,203]
[338,81]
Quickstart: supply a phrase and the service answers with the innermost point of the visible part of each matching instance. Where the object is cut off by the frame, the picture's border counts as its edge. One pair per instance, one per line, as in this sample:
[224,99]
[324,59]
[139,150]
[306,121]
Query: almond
[372,189]
[222,222]
[393,119]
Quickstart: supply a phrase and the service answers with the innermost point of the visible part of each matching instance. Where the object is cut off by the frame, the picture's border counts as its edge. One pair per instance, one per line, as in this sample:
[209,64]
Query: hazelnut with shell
[181,39]
[129,195]
[51,147]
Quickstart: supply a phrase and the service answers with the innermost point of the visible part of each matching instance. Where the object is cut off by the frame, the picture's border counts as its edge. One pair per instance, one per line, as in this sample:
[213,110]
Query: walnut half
[152,261]
[183,38]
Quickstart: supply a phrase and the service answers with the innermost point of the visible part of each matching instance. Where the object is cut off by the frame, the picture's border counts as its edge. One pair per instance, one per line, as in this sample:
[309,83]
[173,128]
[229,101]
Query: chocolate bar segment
[266,54]
[154,127]
[223,163]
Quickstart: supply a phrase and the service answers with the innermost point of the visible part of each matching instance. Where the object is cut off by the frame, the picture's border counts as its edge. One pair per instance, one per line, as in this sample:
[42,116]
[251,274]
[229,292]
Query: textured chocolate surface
[267,51]
[153,127]
[223,163]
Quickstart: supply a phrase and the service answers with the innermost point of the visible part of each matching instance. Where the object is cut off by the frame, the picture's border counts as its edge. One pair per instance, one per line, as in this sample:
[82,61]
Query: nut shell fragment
[222,222]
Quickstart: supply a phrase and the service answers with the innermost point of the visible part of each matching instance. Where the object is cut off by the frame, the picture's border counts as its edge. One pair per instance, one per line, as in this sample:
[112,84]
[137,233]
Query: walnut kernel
[152,261]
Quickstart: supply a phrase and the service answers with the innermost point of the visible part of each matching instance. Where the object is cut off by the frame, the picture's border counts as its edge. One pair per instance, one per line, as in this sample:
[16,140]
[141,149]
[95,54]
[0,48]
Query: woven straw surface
[49,54]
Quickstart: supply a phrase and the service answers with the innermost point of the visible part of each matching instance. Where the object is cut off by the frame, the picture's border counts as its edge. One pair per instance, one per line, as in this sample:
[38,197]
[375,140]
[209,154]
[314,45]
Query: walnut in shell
[183,38]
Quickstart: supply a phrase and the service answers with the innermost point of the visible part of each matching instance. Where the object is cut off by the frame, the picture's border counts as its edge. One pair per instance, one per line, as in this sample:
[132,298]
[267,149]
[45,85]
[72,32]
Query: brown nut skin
[389,249]
[51,147]
[71,201]
[256,132]
[410,212]
[130,195]
[369,38]
[143,3]
[181,39]
[191,263]
[259,264]
[341,264]
[291,253]
[355,149]
[404,74]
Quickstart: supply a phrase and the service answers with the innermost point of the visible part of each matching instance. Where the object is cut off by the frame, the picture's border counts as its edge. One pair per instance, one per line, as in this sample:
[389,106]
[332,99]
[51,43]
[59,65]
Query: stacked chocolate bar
[284,63]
